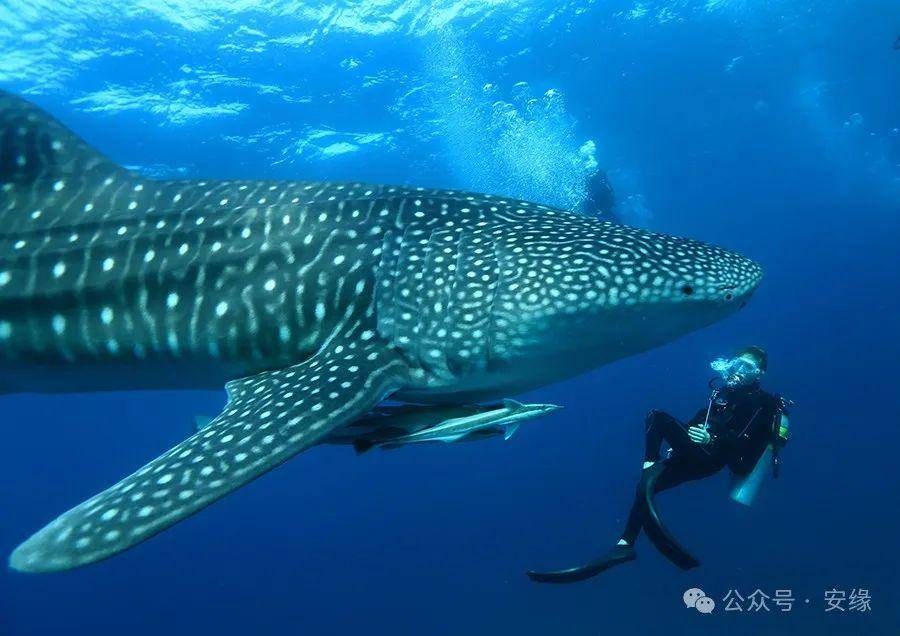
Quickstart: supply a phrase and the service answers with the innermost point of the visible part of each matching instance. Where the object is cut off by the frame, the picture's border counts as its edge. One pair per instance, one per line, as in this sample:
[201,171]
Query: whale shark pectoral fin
[269,418]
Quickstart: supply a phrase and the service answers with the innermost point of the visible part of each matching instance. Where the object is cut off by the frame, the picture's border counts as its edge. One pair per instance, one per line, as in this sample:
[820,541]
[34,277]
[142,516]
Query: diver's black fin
[659,536]
[619,554]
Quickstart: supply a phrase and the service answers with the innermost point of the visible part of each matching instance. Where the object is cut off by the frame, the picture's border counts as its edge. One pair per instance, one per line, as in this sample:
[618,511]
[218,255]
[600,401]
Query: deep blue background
[435,539]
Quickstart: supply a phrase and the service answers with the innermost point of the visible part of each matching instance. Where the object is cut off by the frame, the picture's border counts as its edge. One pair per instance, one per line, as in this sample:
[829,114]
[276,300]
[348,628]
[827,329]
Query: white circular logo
[690,597]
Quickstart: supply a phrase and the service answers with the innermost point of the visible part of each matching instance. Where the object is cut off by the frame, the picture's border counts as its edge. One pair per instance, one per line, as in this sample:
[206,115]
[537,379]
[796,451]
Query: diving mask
[736,371]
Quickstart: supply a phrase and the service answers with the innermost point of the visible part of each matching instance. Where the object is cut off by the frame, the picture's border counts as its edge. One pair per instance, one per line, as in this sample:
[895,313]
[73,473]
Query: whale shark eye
[687,290]
[729,296]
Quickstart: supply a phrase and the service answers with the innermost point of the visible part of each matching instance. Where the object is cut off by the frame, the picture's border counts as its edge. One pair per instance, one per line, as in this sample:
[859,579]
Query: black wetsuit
[741,425]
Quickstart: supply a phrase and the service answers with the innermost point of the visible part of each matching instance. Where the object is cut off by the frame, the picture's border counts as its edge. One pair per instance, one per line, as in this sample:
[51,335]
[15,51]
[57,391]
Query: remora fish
[311,302]
[503,419]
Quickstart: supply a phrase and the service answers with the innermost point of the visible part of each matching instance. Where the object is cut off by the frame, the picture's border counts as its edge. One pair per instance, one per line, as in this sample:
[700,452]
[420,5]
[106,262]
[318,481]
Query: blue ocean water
[768,127]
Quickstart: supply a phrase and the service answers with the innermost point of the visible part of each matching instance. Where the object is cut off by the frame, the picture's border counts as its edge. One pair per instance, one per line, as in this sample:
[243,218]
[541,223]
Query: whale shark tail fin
[42,164]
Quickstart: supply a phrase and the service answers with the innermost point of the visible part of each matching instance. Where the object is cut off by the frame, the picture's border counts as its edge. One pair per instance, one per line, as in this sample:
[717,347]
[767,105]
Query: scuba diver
[601,198]
[742,427]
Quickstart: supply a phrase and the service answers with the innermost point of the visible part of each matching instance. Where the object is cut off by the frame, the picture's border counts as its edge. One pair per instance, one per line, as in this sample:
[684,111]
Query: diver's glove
[699,435]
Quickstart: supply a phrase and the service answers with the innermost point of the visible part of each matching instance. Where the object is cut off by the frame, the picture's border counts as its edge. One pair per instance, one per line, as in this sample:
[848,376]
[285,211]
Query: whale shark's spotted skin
[310,301]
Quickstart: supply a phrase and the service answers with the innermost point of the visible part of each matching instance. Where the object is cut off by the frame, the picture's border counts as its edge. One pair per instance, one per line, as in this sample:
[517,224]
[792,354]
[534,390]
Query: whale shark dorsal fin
[35,146]
[42,161]
[511,404]
[510,431]
[251,436]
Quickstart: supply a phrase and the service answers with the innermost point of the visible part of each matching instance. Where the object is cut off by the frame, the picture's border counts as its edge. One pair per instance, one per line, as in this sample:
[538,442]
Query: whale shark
[310,302]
